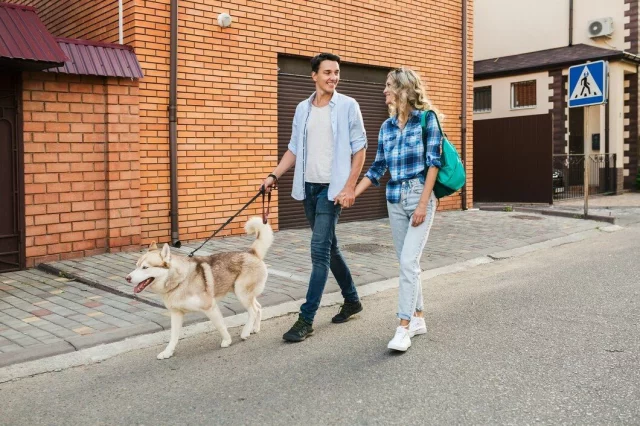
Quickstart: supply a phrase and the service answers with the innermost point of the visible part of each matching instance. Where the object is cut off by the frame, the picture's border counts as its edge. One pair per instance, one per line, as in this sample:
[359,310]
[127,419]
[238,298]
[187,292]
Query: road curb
[35,352]
[547,212]
[90,340]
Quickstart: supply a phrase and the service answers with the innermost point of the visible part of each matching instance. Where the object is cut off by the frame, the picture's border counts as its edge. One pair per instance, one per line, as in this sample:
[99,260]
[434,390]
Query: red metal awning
[25,40]
[100,59]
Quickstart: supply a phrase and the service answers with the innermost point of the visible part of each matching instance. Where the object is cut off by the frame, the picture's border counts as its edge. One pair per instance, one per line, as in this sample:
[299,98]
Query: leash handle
[265,213]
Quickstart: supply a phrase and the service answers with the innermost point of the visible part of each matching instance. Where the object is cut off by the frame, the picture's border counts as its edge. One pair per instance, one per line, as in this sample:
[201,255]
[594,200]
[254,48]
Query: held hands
[419,214]
[347,197]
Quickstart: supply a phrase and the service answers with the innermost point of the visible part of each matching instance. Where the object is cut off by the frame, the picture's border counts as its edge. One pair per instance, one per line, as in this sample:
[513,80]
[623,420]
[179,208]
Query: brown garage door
[512,159]
[11,177]
[294,88]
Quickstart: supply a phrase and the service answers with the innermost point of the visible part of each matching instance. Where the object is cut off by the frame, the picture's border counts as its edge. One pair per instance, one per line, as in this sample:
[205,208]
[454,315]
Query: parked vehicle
[558,181]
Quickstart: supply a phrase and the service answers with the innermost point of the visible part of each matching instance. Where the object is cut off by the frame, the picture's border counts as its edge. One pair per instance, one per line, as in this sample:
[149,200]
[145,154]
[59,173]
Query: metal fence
[568,175]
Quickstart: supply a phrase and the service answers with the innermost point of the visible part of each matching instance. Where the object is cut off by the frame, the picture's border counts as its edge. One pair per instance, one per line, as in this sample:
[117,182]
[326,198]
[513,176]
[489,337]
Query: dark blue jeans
[323,216]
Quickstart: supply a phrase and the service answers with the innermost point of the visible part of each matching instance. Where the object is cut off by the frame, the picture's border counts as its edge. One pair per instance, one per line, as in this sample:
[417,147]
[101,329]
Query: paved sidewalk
[623,209]
[86,302]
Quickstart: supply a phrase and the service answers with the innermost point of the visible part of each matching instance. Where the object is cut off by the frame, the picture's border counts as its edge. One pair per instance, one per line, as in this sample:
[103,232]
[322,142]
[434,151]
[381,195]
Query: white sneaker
[401,341]
[417,326]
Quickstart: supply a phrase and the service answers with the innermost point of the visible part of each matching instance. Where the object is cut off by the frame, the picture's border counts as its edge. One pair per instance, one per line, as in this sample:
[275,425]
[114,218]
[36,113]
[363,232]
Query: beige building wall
[594,115]
[510,27]
[501,96]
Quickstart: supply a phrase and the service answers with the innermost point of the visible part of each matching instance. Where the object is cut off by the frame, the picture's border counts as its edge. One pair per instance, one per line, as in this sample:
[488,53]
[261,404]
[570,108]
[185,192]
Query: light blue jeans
[409,242]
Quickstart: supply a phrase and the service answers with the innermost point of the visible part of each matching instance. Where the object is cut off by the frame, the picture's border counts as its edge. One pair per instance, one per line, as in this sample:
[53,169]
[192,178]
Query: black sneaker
[346,311]
[300,330]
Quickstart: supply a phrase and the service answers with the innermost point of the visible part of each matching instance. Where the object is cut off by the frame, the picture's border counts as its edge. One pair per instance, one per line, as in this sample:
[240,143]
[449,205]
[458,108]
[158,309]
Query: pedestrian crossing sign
[588,84]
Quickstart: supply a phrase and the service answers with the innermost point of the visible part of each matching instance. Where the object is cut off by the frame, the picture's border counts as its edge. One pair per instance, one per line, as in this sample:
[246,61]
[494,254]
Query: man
[327,147]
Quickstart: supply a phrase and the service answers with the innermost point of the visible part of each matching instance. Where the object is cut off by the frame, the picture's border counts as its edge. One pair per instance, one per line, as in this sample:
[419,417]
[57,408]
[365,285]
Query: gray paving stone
[11,348]
[117,322]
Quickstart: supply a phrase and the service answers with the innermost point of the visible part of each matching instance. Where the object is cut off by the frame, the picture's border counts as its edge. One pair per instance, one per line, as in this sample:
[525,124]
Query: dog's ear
[166,253]
[153,246]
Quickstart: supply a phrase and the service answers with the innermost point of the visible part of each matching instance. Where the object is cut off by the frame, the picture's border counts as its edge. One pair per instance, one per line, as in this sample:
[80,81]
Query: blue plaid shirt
[402,152]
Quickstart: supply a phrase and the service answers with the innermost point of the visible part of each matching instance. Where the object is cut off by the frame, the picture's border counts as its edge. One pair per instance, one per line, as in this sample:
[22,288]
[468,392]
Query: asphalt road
[548,338]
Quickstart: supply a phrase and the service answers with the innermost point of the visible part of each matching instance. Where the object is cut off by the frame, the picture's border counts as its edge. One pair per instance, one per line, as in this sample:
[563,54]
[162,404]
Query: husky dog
[195,284]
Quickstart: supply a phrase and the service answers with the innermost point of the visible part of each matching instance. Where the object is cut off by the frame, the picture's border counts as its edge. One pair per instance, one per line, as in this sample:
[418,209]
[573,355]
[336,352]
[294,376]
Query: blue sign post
[588,84]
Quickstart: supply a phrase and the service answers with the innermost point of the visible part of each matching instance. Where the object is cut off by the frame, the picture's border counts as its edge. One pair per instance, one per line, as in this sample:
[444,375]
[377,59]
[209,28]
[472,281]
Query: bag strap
[423,123]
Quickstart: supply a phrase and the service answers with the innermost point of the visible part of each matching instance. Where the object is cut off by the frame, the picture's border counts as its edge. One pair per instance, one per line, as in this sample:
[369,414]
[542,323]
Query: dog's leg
[176,326]
[247,302]
[216,318]
[258,320]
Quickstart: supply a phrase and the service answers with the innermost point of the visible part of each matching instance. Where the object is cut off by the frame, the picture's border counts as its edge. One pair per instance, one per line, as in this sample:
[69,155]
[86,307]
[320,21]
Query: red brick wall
[227,107]
[227,103]
[84,19]
[81,165]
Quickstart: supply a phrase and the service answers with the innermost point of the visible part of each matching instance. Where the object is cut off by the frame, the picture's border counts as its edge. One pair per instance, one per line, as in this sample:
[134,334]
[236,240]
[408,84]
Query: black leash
[265,215]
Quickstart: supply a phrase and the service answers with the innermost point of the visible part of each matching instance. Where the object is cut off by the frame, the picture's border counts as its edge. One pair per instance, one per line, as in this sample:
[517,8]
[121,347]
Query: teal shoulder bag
[451,176]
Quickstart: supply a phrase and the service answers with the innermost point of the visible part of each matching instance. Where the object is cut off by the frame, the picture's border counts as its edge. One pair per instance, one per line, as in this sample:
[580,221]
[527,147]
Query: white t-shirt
[319,145]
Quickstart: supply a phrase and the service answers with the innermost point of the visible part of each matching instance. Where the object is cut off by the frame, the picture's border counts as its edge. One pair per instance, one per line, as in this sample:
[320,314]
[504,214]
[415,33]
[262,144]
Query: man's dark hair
[317,60]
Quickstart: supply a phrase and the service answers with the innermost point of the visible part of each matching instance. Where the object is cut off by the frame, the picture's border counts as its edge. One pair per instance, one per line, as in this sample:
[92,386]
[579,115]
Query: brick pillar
[558,112]
[629,162]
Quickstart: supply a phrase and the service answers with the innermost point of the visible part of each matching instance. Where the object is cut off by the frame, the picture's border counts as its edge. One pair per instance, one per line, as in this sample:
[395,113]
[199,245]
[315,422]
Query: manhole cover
[366,248]
[527,217]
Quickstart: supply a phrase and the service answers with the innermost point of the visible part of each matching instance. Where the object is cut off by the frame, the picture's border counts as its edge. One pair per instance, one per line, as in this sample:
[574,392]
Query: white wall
[501,96]
[587,10]
[509,27]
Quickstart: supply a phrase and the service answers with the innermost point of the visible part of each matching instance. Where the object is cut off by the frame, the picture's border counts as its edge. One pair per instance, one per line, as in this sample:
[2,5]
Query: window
[482,99]
[523,94]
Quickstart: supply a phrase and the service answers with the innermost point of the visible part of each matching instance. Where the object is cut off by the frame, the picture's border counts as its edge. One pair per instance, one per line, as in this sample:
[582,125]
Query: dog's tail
[264,236]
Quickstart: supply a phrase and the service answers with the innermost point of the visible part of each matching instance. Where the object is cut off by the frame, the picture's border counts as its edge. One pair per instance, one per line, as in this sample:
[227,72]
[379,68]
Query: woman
[410,199]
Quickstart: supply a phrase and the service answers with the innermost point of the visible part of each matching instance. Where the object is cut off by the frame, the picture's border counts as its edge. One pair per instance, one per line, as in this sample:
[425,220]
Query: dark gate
[512,159]
[294,88]
[11,176]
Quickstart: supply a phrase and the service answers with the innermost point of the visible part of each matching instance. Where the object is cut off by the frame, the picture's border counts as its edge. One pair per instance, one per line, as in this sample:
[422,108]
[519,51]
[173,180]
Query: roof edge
[94,43]
[617,56]
[18,6]
[98,59]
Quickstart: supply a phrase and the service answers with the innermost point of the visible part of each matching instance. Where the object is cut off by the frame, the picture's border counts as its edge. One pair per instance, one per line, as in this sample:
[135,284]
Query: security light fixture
[224,20]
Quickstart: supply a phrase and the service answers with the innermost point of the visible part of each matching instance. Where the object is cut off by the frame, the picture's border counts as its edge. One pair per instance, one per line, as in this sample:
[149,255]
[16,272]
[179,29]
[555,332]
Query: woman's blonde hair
[410,93]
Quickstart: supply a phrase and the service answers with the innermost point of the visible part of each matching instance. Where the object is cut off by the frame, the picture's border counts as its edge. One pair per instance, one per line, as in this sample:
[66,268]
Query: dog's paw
[225,343]
[245,336]
[256,329]
[164,355]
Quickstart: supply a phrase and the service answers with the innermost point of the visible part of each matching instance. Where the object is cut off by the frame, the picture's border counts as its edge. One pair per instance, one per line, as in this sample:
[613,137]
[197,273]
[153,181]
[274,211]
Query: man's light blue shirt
[349,137]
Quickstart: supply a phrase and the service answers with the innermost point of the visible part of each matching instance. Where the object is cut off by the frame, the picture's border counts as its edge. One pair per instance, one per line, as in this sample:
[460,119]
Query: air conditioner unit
[602,27]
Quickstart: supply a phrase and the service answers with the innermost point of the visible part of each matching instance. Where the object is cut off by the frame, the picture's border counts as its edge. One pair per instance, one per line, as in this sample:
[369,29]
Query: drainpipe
[120,38]
[570,22]
[173,131]
[463,129]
